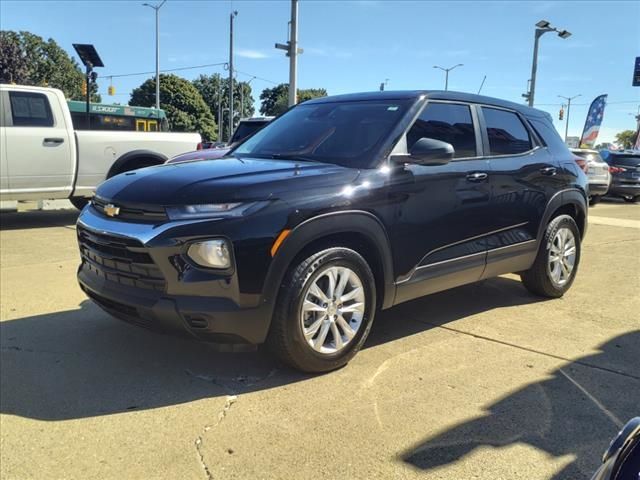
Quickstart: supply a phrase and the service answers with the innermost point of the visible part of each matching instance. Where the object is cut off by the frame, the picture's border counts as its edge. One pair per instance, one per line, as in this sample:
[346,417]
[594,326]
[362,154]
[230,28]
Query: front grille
[146,213]
[120,310]
[119,260]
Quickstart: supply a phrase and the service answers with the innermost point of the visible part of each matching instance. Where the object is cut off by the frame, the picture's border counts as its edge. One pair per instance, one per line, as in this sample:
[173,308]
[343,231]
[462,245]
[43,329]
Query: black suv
[341,206]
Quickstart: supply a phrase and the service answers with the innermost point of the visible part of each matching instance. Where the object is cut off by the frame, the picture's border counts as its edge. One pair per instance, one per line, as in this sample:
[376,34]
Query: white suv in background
[597,171]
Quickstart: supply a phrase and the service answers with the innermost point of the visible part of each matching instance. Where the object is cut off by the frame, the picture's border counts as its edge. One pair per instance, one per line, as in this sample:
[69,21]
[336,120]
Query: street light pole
[220,111]
[231,17]
[446,74]
[566,127]
[543,27]
[157,9]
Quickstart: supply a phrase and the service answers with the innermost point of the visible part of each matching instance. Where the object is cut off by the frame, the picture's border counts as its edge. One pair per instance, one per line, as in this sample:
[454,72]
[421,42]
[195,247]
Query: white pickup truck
[42,157]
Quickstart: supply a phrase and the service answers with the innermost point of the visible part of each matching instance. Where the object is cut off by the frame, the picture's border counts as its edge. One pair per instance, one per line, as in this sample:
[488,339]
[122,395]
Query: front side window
[343,133]
[507,134]
[449,123]
[30,110]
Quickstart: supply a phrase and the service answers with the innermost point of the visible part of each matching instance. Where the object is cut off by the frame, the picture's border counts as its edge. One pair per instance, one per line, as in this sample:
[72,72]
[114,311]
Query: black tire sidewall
[299,347]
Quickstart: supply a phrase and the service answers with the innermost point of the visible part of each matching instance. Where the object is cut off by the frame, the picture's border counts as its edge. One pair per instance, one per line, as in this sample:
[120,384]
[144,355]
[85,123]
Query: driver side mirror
[427,151]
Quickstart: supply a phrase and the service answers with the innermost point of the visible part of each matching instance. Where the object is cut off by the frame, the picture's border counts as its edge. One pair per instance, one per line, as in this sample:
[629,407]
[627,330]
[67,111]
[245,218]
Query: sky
[352,46]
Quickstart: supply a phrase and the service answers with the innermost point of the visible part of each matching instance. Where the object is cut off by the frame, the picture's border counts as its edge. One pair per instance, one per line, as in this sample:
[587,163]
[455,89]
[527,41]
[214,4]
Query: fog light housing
[211,253]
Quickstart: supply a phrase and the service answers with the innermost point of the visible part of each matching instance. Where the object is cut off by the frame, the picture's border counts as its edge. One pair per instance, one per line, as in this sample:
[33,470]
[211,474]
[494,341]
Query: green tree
[185,108]
[215,92]
[626,138]
[28,59]
[276,100]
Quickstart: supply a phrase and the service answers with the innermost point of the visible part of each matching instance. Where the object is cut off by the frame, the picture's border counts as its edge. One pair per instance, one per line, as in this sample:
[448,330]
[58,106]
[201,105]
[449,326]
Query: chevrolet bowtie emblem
[111,210]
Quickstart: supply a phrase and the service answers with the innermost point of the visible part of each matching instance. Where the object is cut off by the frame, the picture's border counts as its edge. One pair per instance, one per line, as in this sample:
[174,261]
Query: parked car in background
[597,171]
[245,128]
[625,174]
[42,157]
[338,208]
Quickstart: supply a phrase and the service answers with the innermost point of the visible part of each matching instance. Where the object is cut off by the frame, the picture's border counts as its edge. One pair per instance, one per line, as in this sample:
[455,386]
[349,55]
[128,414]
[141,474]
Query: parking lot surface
[481,382]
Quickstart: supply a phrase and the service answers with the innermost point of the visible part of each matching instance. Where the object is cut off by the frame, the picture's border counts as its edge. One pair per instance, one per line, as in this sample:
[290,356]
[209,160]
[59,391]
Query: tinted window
[245,129]
[589,156]
[345,133]
[628,160]
[507,133]
[30,110]
[447,122]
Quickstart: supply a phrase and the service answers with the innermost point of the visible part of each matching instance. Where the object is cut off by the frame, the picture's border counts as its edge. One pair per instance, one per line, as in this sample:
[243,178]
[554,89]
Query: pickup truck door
[4,174]
[38,144]
[444,217]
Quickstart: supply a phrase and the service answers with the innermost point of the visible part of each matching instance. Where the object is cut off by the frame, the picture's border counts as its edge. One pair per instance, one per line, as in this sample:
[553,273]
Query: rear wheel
[324,311]
[632,199]
[594,200]
[556,264]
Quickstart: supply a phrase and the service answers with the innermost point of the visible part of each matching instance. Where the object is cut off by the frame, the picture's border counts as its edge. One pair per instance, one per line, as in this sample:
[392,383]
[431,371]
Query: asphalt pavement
[484,381]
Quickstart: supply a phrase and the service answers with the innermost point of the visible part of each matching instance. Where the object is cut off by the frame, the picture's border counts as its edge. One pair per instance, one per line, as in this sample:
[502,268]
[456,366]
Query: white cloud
[248,53]
[328,52]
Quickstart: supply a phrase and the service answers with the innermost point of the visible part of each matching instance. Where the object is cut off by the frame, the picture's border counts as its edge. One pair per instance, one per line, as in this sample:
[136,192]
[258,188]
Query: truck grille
[119,260]
[146,213]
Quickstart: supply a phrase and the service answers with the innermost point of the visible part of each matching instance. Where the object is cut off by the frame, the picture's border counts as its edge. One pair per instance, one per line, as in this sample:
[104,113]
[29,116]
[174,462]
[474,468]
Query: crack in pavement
[529,349]
[231,399]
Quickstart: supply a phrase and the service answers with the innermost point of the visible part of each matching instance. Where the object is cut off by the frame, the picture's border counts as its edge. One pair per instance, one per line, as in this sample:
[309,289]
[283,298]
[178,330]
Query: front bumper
[154,288]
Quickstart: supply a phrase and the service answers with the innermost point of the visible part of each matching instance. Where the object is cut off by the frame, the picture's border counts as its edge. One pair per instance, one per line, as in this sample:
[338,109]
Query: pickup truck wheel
[594,200]
[79,202]
[324,312]
[556,264]
[135,164]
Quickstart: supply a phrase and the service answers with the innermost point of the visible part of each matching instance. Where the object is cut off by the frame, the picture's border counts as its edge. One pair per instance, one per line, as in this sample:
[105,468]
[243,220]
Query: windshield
[627,160]
[344,133]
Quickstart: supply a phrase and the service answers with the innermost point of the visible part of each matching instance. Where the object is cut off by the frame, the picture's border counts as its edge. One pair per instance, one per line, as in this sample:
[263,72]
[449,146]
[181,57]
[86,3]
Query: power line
[584,104]
[164,71]
[257,77]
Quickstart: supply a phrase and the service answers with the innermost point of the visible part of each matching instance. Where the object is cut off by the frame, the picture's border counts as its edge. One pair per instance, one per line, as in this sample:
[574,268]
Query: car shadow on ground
[573,414]
[38,219]
[83,363]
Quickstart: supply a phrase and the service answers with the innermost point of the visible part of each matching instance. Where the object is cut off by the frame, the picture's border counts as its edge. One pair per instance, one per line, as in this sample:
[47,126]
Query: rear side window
[30,110]
[449,123]
[507,134]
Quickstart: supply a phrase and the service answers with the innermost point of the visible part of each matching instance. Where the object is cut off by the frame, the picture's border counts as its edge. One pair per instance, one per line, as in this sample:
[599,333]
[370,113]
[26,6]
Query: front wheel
[556,264]
[324,311]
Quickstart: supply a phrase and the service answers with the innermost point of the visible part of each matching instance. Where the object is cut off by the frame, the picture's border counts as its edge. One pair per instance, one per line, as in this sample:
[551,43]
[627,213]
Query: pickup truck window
[30,110]
[448,122]
[343,133]
[507,134]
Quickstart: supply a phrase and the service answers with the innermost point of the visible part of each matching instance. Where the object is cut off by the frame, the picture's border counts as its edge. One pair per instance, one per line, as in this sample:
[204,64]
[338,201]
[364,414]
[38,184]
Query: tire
[540,279]
[286,337]
[79,202]
[594,200]
[135,164]
[632,199]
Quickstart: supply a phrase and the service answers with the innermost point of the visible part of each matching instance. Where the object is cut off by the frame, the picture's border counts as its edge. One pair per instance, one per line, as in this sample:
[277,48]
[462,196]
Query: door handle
[477,177]
[50,142]
[548,171]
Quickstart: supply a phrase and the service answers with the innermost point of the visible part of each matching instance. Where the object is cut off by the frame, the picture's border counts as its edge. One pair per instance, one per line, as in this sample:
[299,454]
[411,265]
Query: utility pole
[231,17]
[220,110]
[446,74]
[157,9]
[291,47]
[566,127]
[542,27]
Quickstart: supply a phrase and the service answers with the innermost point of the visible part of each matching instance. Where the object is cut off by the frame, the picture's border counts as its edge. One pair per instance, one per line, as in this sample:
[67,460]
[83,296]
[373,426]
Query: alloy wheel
[562,256]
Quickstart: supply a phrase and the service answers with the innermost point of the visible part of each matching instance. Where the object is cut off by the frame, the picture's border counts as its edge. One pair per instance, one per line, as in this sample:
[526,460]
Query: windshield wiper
[288,156]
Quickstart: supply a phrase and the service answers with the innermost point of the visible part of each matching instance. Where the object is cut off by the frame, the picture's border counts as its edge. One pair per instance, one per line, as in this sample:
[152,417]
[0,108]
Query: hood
[205,154]
[222,180]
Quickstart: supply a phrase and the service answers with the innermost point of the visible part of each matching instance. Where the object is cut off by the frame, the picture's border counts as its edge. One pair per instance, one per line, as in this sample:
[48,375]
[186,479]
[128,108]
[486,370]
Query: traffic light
[111,90]
[561,113]
[84,87]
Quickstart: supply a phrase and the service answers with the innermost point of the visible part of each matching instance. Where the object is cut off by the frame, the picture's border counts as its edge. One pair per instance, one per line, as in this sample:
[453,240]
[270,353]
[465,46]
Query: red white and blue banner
[593,122]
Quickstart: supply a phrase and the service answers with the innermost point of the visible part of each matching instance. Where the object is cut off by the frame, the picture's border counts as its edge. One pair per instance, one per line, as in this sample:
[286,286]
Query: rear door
[523,180]
[38,144]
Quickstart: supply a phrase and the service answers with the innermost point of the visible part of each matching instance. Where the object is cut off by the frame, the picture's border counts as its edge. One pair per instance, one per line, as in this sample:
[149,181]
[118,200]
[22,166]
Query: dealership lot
[485,381]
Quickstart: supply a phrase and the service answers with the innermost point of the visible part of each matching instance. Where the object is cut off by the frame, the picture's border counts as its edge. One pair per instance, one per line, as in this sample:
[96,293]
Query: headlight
[211,253]
[211,210]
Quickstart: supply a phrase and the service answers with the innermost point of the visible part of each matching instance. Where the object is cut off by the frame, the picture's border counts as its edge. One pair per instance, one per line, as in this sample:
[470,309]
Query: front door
[38,145]
[443,215]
